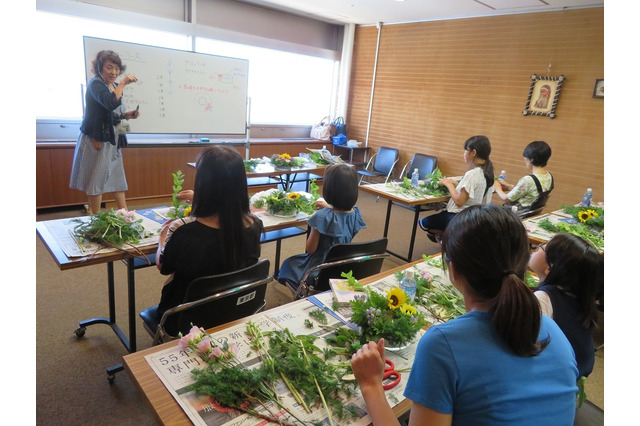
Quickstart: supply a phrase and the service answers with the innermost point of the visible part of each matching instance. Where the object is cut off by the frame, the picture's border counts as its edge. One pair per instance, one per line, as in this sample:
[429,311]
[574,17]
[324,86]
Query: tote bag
[322,130]
[341,128]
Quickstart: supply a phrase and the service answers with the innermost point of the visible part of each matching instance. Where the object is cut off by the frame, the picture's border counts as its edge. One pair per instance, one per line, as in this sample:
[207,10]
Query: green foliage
[431,186]
[581,395]
[319,315]
[285,161]
[579,229]
[377,318]
[444,303]
[286,203]
[595,221]
[530,280]
[111,228]
[178,207]
[351,281]
[317,158]
[250,165]
[314,188]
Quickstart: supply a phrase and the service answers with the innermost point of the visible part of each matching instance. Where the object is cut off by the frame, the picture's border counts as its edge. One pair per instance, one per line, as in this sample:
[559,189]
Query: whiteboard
[179,91]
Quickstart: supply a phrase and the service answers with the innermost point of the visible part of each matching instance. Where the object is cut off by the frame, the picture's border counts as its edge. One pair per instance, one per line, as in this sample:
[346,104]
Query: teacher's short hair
[106,55]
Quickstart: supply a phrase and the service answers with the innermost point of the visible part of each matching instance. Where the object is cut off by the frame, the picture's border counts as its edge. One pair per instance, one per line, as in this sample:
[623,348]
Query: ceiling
[370,12]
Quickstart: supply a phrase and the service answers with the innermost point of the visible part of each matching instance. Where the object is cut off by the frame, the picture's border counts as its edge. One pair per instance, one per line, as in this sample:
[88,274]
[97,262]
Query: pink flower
[204,345]
[195,335]
[216,353]
[233,349]
[425,274]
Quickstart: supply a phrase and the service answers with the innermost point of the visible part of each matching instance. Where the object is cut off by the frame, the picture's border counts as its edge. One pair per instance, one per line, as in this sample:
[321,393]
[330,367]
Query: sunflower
[293,195]
[187,211]
[592,213]
[584,216]
[408,309]
[396,297]
[284,157]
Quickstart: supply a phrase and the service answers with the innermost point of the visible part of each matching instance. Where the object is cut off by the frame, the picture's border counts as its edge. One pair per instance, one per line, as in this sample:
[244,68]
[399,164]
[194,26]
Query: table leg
[386,221]
[413,233]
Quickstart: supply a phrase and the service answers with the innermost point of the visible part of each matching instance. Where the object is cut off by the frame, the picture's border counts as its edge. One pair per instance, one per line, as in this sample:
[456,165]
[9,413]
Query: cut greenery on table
[430,186]
[250,165]
[114,229]
[589,224]
[295,360]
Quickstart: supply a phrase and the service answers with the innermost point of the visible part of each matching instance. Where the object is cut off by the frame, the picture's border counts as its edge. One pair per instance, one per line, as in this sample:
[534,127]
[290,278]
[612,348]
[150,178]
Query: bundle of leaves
[111,228]
[433,186]
[581,230]
[295,360]
[590,216]
[250,165]
[286,203]
[178,207]
[392,317]
[317,158]
[430,186]
[285,161]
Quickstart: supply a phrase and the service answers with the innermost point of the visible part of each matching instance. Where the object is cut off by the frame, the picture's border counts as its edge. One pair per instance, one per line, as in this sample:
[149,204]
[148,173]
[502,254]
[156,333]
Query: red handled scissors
[390,372]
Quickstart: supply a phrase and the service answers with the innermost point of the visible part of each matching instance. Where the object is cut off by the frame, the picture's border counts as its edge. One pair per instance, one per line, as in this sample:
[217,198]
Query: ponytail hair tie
[506,273]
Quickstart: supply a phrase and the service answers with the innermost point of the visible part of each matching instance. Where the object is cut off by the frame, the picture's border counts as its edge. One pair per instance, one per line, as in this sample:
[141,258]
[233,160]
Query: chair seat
[151,319]
[371,173]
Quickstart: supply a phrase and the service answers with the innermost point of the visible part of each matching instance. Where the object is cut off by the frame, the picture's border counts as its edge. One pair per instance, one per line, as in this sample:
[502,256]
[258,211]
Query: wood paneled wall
[438,83]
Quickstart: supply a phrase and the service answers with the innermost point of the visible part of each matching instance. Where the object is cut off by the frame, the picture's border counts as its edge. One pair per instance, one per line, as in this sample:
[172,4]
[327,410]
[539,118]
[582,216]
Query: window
[284,88]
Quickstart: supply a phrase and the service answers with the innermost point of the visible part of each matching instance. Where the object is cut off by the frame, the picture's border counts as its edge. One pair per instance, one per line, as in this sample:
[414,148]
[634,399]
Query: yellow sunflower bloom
[285,156]
[187,211]
[584,216]
[592,213]
[407,309]
[293,195]
[396,297]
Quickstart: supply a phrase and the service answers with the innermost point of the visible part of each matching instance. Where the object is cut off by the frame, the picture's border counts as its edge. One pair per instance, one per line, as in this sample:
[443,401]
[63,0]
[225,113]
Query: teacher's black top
[99,120]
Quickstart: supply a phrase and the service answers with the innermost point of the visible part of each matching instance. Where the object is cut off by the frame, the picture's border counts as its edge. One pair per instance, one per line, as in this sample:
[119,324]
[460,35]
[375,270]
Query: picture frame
[543,95]
[598,88]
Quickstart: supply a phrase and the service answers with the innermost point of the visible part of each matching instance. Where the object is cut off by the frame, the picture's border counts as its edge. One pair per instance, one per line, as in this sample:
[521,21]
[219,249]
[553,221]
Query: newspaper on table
[62,231]
[174,366]
[394,189]
[532,225]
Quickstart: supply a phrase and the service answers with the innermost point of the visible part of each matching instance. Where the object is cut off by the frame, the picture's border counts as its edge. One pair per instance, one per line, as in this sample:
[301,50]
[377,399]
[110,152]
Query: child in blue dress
[336,221]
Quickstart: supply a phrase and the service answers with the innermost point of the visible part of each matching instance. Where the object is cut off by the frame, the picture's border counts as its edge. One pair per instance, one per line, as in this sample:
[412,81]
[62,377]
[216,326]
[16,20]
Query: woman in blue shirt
[501,363]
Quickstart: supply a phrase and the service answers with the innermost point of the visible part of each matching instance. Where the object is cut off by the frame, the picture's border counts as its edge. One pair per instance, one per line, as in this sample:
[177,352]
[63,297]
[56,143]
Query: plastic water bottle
[503,175]
[415,177]
[408,284]
[586,199]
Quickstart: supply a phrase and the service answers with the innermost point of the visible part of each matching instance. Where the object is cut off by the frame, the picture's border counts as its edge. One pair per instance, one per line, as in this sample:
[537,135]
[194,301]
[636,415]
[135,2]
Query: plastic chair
[211,301]
[363,259]
[382,163]
[425,164]
[539,204]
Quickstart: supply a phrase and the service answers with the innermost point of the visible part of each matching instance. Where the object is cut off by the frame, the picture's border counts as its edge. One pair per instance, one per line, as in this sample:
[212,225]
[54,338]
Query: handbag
[322,130]
[341,128]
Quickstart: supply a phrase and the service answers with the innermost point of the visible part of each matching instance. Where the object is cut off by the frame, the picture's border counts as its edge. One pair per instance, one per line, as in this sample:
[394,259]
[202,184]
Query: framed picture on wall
[598,89]
[543,96]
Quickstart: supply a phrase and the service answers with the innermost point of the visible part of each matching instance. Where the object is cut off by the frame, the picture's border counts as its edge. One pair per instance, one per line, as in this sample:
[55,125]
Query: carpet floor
[71,381]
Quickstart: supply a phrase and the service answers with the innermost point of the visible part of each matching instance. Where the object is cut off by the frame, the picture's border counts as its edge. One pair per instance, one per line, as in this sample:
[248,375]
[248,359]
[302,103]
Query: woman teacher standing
[97,160]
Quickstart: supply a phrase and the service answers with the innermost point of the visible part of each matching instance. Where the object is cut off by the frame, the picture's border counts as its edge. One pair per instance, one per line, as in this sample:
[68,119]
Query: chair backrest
[425,164]
[539,203]
[386,158]
[218,299]
[363,259]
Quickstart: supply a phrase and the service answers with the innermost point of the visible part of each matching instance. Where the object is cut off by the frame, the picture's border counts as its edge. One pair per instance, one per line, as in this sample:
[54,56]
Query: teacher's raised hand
[129,78]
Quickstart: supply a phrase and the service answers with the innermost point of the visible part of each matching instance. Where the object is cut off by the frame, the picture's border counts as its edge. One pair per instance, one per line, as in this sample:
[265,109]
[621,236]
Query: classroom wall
[438,83]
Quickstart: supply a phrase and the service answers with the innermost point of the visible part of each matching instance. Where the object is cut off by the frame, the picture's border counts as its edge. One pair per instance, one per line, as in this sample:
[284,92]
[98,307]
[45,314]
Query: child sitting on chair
[571,273]
[336,221]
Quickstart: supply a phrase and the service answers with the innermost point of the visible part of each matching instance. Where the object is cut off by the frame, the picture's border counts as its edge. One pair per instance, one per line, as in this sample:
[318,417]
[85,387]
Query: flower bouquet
[178,207]
[285,161]
[286,203]
[250,165]
[430,186]
[392,317]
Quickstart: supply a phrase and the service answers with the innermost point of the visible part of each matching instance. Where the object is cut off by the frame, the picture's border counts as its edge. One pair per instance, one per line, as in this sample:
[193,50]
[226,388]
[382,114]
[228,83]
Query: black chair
[211,301]
[425,164]
[363,259]
[382,163]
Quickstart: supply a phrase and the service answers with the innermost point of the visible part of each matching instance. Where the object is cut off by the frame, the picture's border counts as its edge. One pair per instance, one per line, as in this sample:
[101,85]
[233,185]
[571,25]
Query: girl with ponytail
[475,187]
[501,363]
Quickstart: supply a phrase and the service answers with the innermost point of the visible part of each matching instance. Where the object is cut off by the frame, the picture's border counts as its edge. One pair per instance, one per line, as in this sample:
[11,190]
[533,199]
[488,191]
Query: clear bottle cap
[408,273]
